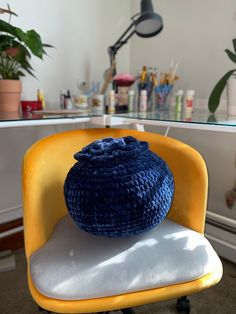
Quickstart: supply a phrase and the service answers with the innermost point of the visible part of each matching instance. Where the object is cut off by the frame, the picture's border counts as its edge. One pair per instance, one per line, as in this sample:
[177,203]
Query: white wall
[197,33]
[80,31]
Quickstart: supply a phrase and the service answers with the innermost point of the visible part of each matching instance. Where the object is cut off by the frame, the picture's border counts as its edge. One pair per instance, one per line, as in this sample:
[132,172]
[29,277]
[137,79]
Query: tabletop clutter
[147,91]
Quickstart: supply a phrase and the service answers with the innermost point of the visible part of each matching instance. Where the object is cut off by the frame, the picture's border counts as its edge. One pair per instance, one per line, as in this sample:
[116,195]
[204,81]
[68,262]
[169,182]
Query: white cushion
[75,265]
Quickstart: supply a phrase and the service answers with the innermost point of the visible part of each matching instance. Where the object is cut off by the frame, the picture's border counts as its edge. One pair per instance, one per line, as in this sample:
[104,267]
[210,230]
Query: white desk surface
[200,119]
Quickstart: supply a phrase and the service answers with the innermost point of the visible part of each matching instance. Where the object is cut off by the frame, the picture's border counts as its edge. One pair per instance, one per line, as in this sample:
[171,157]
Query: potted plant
[217,91]
[16,50]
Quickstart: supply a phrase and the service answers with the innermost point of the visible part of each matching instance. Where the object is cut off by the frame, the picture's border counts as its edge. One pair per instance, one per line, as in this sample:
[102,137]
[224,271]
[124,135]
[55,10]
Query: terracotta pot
[10,92]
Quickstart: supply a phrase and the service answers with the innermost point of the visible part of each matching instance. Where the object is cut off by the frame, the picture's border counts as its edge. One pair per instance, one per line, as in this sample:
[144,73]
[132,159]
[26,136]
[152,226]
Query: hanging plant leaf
[234,44]
[216,93]
[231,55]
[8,28]
[33,41]
[20,34]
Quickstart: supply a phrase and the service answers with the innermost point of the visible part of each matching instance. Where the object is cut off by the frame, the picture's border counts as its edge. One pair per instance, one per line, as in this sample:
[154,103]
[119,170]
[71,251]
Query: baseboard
[11,235]
[223,248]
[10,213]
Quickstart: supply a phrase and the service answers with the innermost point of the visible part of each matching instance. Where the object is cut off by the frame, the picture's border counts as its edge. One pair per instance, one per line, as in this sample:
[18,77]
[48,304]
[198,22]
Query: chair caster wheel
[43,310]
[183,305]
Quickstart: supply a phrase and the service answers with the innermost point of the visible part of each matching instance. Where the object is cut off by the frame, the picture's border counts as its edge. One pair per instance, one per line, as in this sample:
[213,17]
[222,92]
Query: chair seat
[75,265]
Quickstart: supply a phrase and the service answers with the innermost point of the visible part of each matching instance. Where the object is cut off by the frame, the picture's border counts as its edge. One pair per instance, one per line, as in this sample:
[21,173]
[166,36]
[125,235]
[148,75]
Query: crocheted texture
[118,188]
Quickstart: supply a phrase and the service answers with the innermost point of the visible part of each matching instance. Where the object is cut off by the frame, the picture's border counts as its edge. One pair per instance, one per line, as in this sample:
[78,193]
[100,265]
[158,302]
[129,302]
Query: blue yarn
[118,188]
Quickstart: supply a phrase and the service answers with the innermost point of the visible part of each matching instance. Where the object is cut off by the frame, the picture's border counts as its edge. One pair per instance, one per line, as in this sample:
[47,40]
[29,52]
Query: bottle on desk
[111,102]
[63,99]
[68,101]
[131,101]
[189,100]
[179,100]
[143,101]
[41,97]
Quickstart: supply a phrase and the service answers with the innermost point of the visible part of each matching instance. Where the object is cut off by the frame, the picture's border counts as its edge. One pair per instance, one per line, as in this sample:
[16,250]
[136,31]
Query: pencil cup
[163,100]
[98,104]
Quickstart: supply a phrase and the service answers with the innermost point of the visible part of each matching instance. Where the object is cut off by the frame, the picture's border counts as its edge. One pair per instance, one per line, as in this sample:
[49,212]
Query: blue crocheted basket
[118,188]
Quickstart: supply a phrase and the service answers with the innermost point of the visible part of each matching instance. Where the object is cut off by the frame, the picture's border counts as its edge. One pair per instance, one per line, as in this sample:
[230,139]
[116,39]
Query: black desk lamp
[145,24]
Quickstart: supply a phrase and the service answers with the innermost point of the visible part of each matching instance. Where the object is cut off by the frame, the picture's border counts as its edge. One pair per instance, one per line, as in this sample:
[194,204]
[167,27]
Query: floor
[221,299]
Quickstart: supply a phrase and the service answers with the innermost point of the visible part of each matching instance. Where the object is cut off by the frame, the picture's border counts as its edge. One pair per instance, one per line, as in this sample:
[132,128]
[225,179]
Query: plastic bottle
[41,97]
[189,99]
[69,104]
[179,100]
[63,99]
[111,102]
[131,101]
[143,101]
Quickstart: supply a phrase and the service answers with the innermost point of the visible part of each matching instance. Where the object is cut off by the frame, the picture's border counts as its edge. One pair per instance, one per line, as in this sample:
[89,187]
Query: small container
[98,105]
[30,105]
[41,97]
[131,101]
[179,100]
[81,102]
[111,102]
[143,101]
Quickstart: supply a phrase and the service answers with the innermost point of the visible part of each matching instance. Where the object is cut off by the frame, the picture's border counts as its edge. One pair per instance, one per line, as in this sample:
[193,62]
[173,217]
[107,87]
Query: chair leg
[183,305]
[128,311]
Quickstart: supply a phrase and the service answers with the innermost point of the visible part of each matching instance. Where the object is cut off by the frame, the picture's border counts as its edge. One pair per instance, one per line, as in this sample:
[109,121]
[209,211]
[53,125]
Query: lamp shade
[149,23]
[146,6]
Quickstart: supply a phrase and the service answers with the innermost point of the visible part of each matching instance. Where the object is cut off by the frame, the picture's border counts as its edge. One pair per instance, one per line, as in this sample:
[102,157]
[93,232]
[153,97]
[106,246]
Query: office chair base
[183,305]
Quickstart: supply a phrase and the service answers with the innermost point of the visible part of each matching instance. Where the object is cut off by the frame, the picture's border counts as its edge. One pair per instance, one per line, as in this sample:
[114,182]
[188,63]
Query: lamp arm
[112,50]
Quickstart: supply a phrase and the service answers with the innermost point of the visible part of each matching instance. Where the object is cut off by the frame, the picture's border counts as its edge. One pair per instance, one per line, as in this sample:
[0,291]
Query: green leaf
[47,45]
[211,118]
[20,73]
[34,43]
[231,55]
[5,41]
[20,34]
[4,44]
[216,93]
[8,28]
[234,44]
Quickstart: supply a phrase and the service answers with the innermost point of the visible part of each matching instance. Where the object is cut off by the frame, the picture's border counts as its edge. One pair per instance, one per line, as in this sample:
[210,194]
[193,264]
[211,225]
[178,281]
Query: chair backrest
[47,162]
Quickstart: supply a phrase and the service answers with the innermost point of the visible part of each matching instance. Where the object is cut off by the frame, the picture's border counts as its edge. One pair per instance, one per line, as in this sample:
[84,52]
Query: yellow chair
[45,167]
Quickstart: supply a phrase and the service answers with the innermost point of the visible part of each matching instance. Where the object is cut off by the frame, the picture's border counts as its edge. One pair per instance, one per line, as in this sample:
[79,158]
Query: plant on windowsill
[16,49]
[217,91]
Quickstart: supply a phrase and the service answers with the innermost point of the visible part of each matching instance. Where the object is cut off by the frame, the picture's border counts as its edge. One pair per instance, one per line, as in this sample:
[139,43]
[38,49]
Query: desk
[200,120]
[13,120]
